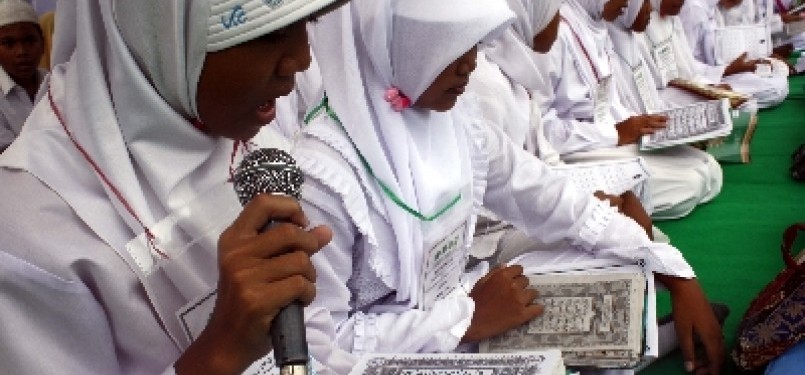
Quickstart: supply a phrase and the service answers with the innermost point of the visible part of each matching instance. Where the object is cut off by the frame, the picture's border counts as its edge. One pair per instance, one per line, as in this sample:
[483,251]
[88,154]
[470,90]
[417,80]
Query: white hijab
[416,153]
[512,51]
[625,46]
[584,17]
[124,82]
[662,28]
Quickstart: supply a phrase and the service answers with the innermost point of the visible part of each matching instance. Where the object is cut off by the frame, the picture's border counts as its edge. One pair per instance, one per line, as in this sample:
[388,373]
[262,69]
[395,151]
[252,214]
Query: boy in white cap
[21,48]
[123,247]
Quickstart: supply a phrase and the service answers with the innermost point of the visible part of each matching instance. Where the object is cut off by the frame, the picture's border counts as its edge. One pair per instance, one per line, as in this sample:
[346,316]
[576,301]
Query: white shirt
[15,106]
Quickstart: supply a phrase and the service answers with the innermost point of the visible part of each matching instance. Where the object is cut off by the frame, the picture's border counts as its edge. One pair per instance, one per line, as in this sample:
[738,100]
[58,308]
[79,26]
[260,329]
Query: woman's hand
[693,317]
[502,302]
[742,65]
[630,130]
[260,273]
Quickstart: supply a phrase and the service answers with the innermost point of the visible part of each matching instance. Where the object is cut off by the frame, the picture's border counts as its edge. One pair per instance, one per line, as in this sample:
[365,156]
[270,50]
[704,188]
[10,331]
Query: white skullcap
[236,21]
[13,11]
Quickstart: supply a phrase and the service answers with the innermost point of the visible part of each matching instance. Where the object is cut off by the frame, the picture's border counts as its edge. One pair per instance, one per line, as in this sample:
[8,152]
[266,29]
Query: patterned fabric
[775,320]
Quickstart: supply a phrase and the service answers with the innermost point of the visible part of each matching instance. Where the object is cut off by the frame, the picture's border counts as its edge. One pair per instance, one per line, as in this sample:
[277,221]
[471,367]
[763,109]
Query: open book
[691,123]
[596,318]
[732,41]
[542,362]
[610,176]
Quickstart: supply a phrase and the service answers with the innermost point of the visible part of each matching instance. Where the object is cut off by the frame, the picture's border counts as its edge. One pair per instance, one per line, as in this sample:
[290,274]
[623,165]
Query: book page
[733,41]
[692,123]
[596,319]
[610,176]
[541,362]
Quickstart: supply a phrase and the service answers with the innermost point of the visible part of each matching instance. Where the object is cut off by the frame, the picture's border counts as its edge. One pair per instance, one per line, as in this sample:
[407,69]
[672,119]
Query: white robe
[699,19]
[506,179]
[567,112]
[681,176]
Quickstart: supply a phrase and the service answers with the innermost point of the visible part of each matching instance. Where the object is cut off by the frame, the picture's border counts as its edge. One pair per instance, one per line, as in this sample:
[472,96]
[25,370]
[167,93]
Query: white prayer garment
[15,106]
[700,19]
[81,290]
[373,173]
[568,114]
[681,176]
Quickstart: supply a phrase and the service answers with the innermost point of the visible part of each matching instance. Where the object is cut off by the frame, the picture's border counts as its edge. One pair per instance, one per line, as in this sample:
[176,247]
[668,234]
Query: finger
[265,208]
[279,239]
[533,311]
[687,348]
[282,267]
[714,347]
[527,296]
[520,282]
[281,293]
[512,271]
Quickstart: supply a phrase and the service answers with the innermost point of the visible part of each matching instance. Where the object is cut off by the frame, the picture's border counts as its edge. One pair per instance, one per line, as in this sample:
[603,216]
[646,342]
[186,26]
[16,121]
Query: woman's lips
[268,111]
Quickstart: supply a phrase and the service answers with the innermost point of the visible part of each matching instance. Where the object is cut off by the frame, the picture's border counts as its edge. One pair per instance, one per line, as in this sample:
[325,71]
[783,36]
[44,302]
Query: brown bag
[775,320]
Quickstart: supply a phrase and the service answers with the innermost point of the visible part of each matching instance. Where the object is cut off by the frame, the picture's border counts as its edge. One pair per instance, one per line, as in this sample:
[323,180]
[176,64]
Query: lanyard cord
[583,49]
[148,234]
[324,106]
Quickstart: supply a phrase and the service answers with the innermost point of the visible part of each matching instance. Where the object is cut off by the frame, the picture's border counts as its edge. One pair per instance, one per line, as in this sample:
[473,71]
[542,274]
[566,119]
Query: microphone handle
[288,336]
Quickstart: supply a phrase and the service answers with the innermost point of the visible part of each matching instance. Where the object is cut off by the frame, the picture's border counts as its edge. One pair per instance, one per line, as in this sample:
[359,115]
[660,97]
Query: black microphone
[273,171]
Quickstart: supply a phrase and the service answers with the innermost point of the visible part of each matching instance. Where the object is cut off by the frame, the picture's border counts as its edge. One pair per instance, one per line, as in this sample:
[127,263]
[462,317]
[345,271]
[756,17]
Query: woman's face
[544,40]
[238,87]
[613,9]
[443,93]
[643,17]
[671,7]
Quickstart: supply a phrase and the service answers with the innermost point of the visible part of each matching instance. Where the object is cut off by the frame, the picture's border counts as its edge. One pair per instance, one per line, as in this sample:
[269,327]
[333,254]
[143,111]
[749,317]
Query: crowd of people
[415,122]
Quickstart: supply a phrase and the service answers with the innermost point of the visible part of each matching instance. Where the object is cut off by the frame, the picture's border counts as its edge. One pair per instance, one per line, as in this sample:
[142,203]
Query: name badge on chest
[443,266]
[647,93]
[666,61]
[602,113]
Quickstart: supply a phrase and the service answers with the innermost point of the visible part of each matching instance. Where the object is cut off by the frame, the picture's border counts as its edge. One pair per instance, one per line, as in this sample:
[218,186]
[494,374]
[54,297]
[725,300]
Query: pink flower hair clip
[397,99]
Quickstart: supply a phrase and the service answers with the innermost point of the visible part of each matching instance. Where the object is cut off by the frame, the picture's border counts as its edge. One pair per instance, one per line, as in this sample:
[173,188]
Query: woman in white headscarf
[505,75]
[397,174]
[124,249]
[700,19]
[682,176]
[585,117]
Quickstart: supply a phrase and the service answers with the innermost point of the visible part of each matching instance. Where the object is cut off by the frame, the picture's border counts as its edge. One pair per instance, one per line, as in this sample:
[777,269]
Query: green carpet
[733,242]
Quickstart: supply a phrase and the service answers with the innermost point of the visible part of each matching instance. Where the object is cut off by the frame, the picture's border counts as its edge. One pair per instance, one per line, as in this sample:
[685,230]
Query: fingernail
[688,366]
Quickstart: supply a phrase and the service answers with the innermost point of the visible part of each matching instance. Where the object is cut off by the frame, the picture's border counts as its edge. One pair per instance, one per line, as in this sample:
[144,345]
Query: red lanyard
[583,49]
[148,234]
[780,7]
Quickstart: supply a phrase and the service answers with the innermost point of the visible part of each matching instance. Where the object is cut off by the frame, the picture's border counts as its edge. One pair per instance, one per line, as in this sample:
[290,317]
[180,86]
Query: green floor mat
[733,242]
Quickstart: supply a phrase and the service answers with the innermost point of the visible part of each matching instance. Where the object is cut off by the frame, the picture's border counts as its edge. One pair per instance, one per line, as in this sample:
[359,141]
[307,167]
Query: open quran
[732,41]
[542,362]
[610,176]
[710,92]
[595,319]
[692,123]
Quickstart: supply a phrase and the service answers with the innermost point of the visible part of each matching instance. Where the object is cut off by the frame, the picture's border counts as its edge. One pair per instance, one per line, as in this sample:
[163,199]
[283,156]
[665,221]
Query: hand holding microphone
[264,264]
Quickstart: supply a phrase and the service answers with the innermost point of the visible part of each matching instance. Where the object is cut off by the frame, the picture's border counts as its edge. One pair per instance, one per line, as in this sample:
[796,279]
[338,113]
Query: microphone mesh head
[270,171]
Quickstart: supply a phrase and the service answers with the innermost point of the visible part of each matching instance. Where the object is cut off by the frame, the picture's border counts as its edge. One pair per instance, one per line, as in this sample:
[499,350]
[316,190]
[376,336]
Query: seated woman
[687,175]
[585,119]
[396,161]
[700,19]
[503,79]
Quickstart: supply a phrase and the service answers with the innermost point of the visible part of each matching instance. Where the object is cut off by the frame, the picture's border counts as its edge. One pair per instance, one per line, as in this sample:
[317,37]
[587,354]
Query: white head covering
[13,11]
[416,153]
[512,51]
[629,15]
[585,20]
[625,46]
[124,82]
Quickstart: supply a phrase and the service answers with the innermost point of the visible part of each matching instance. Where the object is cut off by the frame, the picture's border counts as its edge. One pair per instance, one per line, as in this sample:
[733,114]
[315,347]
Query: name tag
[602,114]
[443,266]
[648,94]
[666,61]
